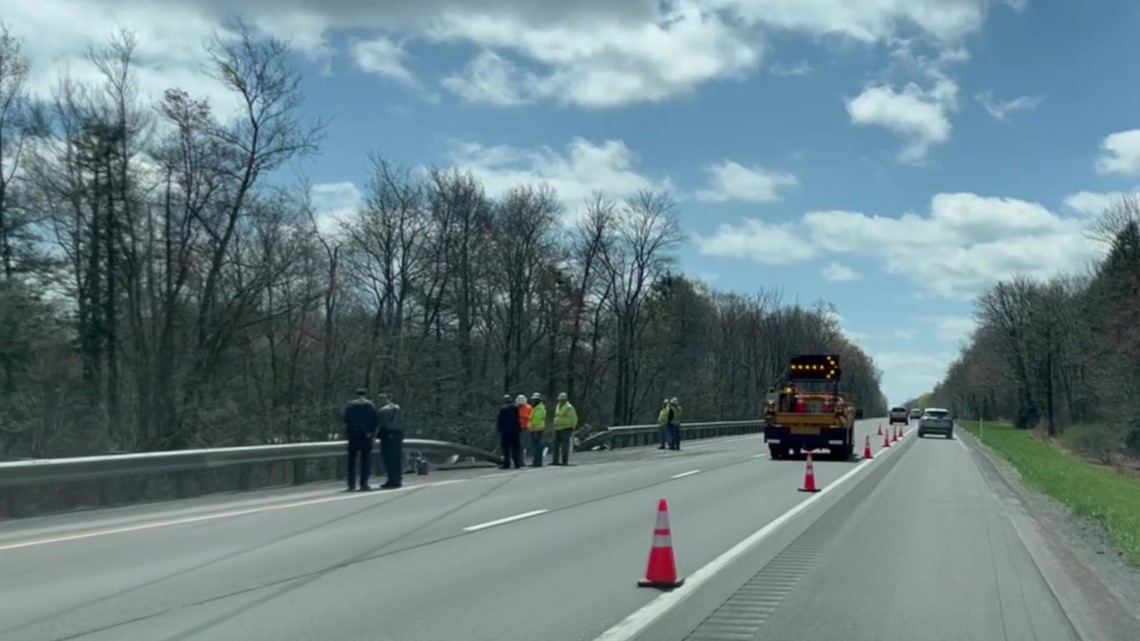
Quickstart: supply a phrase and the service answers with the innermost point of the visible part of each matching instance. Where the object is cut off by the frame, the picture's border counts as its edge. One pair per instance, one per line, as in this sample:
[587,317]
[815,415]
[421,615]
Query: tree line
[162,289]
[1064,352]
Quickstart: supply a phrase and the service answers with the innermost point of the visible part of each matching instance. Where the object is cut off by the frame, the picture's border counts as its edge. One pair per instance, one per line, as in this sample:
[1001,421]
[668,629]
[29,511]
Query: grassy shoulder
[1093,491]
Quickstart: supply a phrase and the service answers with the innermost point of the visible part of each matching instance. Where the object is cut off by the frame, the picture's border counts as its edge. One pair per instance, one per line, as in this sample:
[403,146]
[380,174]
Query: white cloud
[581,169]
[384,57]
[918,112]
[57,34]
[1094,204]
[945,20]
[922,360]
[919,116]
[1001,109]
[837,273]
[732,181]
[1120,153]
[489,79]
[584,168]
[594,53]
[603,64]
[334,203]
[907,374]
[757,241]
[964,245]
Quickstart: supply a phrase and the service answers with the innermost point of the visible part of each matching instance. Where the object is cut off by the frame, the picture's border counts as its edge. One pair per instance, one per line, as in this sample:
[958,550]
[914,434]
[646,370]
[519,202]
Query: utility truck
[809,412]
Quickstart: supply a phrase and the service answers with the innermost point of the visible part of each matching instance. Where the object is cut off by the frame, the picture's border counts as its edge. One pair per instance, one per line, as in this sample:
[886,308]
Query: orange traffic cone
[809,477]
[880,432]
[897,437]
[867,448]
[662,570]
[886,441]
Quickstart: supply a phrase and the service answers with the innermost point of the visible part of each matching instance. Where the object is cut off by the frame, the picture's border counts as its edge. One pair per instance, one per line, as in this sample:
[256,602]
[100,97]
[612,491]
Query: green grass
[1093,491]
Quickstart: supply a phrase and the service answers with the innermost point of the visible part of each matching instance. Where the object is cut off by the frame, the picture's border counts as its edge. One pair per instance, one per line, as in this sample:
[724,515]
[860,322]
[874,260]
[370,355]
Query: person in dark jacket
[510,433]
[360,423]
[393,422]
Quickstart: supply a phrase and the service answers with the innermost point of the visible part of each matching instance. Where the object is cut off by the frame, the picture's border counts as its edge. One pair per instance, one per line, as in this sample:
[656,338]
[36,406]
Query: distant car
[898,415]
[915,414]
[936,420]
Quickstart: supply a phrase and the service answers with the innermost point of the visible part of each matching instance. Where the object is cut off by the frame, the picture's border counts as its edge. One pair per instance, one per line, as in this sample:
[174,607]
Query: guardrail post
[245,477]
[182,485]
[15,507]
[104,492]
[300,471]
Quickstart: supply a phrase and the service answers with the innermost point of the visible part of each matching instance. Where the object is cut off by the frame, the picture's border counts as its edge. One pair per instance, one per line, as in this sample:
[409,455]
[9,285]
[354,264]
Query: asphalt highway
[551,554]
[930,555]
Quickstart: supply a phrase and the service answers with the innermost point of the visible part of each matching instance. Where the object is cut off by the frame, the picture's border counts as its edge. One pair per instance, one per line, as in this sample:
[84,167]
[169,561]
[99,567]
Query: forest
[1061,355]
[167,281]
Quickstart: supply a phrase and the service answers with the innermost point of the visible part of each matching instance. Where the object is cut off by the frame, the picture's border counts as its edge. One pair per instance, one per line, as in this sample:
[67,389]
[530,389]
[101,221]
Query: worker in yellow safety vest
[565,420]
[663,424]
[673,420]
[537,429]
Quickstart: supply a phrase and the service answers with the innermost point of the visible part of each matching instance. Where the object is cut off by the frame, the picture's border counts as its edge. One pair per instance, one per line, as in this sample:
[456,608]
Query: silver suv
[937,421]
[898,415]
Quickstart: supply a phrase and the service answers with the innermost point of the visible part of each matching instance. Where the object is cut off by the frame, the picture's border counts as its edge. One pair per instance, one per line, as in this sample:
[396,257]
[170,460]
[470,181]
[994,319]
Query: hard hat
[562,396]
[536,395]
[520,400]
[506,398]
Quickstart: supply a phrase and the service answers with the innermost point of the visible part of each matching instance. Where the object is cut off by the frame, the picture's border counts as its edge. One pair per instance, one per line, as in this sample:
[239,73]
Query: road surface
[551,554]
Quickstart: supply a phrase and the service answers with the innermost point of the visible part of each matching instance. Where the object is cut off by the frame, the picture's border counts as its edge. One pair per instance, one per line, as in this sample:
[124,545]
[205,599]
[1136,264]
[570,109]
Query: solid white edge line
[684,474]
[962,445]
[211,516]
[517,517]
[496,475]
[637,622]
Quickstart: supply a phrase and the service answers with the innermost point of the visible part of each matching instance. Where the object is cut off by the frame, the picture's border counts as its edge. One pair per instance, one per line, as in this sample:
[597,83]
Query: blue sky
[893,157]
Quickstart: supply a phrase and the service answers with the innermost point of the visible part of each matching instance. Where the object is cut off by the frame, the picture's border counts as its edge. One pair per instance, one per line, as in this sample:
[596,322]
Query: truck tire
[841,453]
[776,452]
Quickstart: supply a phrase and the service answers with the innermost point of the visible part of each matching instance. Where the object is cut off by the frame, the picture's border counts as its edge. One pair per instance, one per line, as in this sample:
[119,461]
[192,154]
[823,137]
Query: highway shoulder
[1100,592]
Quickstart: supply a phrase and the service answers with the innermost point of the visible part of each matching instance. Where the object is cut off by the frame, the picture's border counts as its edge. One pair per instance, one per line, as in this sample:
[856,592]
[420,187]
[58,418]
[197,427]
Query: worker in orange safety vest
[525,412]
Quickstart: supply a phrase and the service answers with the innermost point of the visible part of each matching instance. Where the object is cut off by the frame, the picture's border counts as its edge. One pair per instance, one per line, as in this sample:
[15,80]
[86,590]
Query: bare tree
[647,231]
[14,121]
[201,303]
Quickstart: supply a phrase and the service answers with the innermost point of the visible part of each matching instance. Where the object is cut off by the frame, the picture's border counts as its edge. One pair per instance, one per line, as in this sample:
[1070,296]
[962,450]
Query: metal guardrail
[634,435]
[87,468]
[40,486]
